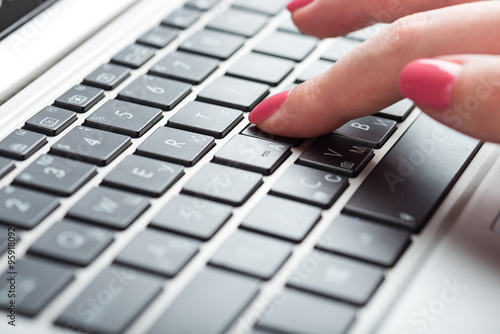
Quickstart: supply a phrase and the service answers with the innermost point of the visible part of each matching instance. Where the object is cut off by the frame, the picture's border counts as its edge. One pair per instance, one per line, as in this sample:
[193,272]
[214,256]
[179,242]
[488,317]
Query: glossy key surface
[124,292]
[158,252]
[204,118]
[73,242]
[310,186]
[261,68]
[252,254]
[253,154]
[126,118]
[80,98]
[186,67]
[21,144]
[412,178]
[234,93]
[107,76]
[144,175]
[51,121]
[37,282]
[365,240]
[302,312]
[338,277]
[214,298]
[177,146]
[109,207]
[134,56]
[223,184]
[56,175]
[212,43]
[91,145]
[25,208]
[192,216]
[155,92]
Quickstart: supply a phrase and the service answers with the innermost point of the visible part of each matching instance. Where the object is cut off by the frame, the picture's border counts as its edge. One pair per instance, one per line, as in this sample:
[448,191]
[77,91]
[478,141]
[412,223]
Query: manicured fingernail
[268,107]
[429,82]
[296,4]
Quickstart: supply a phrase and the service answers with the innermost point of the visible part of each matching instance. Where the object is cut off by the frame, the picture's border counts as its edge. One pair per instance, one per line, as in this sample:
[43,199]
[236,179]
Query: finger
[462,92]
[366,80]
[330,18]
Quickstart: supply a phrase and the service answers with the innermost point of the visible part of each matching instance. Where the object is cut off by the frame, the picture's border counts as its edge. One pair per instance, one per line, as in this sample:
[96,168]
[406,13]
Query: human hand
[447,60]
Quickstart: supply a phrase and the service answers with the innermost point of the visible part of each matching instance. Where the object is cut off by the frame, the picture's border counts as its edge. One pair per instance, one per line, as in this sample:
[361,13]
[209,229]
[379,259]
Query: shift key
[410,181]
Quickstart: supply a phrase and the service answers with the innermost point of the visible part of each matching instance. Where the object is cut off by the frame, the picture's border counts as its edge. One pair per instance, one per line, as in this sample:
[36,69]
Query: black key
[238,22]
[282,218]
[134,56]
[143,175]
[369,131]
[51,121]
[123,117]
[252,254]
[107,76]
[73,242]
[234,93]
[364,240]
[330,153]
[192,216]
[91,145]
[214,298]
[6,166]
[304,313]
[256,155]
[224,184]
[182,18]
[339,48]
[201,4]
[21,144]
[158,252]
[177,146]
[338,277]
[288,26]
[111,302]
[254,131]
[310,186]
[80,98]
[268,7]
[213,44]
[155,92]
[186,67]
[25,208]
[56,175]
[414,176]
[207,119]
[158,37]
[398,111]
[37,283]
[109,207]
[316,68]
[286,45]
[261,68]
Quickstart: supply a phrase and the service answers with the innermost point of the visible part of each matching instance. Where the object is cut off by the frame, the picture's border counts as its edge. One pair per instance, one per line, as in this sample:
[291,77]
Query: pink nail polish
[268,107]
[429,82]
[296,4]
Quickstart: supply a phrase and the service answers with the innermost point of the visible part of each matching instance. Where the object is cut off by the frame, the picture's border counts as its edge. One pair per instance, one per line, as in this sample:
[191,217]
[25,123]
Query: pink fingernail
[429,82]
[268,107]
[296,4]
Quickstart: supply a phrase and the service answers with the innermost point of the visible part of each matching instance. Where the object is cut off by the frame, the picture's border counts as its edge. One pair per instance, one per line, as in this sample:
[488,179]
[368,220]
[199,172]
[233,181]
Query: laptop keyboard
[349,260]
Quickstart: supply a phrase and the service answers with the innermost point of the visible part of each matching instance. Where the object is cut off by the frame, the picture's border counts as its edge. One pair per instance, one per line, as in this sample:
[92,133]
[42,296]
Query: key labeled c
[305,183]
